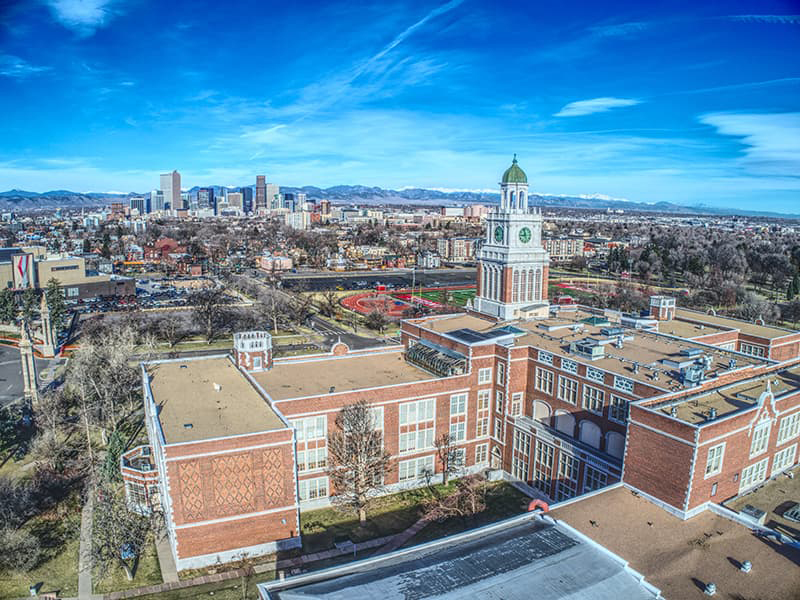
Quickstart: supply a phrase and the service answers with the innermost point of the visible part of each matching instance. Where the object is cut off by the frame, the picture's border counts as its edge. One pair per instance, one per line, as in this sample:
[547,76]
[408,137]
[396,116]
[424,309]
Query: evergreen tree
[30,304]
[794,287]
[56,304]
[8,306]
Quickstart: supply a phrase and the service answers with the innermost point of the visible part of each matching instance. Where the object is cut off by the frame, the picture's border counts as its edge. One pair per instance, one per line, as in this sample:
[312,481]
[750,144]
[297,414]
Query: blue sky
[688,102]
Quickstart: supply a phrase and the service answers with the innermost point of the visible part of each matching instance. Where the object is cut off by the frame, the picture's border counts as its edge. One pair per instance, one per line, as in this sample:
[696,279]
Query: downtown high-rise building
[261,192]
[247,199]
[156,201]
[206,200]
[171,188]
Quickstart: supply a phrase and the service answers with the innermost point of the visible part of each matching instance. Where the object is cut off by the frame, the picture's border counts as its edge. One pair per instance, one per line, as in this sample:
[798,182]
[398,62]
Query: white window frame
[425,407]
[591,397]
[593,479]
[484,399]
[319,460]
[458,404]
[516,404]
[318,486]
[753,474]
[417,440]
[617,405]
[568,384]
[789,427]
[501,373]
[482,454]
[482,426]
[458,431]
[484,375]
[759,442]
[499,401]
[499,430]
[714,460]
[310,428]
[543,380]
[784,459]
[412,469]
[623,384]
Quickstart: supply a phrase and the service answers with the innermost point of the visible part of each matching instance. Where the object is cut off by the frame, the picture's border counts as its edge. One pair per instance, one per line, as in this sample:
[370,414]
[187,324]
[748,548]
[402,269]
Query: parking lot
[315,282]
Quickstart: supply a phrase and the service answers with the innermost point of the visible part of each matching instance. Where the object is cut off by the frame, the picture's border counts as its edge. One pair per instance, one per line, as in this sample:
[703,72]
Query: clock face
[524,235]
[498,234]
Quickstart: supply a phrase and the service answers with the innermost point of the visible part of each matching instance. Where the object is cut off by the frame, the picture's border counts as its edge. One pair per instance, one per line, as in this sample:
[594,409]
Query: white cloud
[772,140]
[784,19]
[82,16]
[14,66]
[595,105]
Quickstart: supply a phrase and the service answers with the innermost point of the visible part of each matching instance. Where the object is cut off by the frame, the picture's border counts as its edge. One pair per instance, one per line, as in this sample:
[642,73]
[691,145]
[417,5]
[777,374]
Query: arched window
[615,444]
[537,286]
[522,199]
[564,422]
[530,285]
[512,199]
[541,411]
[590,434]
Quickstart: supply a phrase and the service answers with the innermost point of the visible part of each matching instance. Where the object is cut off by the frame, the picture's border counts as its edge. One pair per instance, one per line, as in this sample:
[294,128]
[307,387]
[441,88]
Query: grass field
[457,297]
[114,579]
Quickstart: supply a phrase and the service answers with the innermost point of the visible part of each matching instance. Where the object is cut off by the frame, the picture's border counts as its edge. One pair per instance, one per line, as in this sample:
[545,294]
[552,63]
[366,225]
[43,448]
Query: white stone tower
[48,334]
[513,267]
[30,378]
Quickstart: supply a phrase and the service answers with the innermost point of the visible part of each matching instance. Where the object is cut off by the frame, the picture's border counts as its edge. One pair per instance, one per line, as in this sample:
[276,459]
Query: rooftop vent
[187,425]
[332,389]
[184,366]
[610,331]
[712,413]
[217,387]
[674,411]
[691,351]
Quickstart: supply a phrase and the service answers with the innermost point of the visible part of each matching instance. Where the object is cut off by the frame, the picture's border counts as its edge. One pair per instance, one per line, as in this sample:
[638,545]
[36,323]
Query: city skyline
[685,104]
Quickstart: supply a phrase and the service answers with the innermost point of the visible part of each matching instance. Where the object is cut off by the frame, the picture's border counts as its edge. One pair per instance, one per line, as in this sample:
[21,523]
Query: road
[11,388]
[319,281]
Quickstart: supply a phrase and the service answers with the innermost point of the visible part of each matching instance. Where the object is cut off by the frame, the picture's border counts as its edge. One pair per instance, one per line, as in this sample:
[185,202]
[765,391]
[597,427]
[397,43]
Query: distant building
[138,203]
[261,191]
[157,201]
[458,249]
[273,193]
[235,200]
[206,200]
[171,188]
[563,249]
[247,199]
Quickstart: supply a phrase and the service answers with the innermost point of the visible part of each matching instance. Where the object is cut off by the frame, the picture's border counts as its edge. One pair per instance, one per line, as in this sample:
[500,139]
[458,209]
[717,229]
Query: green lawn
[502,501]
[457,297]
[389,515]
[59,570]
[114,579]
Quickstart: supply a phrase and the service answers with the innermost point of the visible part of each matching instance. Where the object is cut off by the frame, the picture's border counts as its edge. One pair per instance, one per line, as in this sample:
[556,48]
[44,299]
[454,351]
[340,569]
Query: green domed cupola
[514,174]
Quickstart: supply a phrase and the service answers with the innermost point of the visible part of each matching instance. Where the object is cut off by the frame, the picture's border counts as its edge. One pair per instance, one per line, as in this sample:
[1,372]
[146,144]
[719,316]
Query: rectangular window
[570,366]
[417,412]
[377,417]
[593,399]
[567,389]
[482,454]
[498,401]
[310,428]
[567,485]
[485,375]
[415,468]
[544,380]
[501,374]
[623,384]
[498,429]
[414,441]
[73,292]
[458,431]
[311,489]
[458,404]
[760,440]
[522,449]
[784,459]
[618,409]
[516,404]
[545,357]
[714,460]
[752,350]
[593,479]
[595,375]
[789,428]
[753,475]
[483,399]
[543,466]
[482,429]
[312,458]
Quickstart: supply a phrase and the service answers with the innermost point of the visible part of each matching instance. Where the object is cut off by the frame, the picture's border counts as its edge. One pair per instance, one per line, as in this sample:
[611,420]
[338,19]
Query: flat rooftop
[185,393]
[680,557]
[764,331]
[690,330]
[741,395]
[648,349]
[312,377]
[505,563]
[774,497]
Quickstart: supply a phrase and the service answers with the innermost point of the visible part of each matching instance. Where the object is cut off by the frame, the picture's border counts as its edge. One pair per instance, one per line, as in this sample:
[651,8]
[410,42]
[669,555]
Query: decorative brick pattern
[191,490]
[274,476]
[233,484]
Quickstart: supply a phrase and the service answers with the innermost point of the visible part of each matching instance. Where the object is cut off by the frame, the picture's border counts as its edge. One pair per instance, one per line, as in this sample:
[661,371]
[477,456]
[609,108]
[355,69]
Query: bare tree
[357,459]
[211,313]
[376,320]
[450,457]
[120,535]
[329,303]
[468,499]
[173,329]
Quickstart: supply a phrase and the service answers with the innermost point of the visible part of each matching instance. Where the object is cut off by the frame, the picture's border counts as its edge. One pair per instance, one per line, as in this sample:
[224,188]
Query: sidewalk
[85,551]
[169,573]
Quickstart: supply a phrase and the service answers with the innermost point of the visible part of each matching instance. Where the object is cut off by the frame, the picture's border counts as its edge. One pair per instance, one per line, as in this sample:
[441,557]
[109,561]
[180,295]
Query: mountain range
[358,194]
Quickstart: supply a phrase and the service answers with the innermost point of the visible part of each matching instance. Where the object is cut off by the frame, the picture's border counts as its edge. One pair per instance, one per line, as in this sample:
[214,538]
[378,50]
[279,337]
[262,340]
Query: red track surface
[392,306]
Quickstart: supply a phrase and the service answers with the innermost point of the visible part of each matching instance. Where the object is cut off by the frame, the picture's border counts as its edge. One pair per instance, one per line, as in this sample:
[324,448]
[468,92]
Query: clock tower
[512,264]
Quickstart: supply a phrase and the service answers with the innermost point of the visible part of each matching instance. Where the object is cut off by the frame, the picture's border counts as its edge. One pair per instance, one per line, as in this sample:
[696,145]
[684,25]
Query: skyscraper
[247,199]
[205,199]
[171,188]
[273,196]
[261,192]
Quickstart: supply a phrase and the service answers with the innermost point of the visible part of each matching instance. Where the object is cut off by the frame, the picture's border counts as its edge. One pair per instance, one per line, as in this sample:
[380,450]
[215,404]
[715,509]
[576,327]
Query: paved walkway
[85,552]
[169,573]
[401,538]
